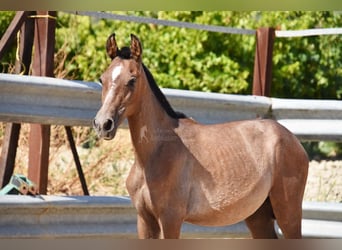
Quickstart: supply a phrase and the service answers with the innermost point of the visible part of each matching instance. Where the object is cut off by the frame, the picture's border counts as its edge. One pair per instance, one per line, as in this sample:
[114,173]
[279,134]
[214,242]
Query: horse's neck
[148,124]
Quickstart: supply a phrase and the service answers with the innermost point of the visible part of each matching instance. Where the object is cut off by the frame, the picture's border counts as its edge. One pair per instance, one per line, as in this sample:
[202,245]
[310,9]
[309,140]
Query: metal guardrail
[74,103]
[114,217]
[48,100]
[310,119]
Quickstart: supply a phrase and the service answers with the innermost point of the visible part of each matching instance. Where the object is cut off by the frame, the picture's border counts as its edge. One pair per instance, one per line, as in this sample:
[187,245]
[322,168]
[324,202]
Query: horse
[185,171]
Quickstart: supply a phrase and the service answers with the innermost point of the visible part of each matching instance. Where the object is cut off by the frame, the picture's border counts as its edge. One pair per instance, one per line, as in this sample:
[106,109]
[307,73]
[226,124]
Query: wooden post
[22,64]
[43,65]
[11,137]
[263,62]
[13,28]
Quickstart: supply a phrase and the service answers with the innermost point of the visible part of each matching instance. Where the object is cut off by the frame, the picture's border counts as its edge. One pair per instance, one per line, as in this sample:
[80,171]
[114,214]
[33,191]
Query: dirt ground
[324,181]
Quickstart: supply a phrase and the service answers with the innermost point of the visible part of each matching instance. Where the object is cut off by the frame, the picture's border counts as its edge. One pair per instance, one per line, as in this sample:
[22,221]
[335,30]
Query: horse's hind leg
[287,193]
[288,213]
[288,216]
[261,223]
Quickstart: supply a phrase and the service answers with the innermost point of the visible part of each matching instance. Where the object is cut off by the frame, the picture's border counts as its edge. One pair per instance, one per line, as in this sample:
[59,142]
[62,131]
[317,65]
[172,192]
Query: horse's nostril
[95,125]
[108,125]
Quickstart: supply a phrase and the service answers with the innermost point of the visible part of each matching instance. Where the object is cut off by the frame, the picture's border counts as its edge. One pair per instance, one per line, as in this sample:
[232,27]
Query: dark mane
[161,97]
[125,53]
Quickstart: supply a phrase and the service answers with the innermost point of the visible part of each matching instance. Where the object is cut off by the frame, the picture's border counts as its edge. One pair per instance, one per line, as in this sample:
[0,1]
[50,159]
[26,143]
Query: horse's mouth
[109,135]
[108,138]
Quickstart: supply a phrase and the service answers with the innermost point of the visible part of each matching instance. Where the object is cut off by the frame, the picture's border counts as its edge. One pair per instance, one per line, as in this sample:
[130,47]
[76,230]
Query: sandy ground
[324,181]
[106,177]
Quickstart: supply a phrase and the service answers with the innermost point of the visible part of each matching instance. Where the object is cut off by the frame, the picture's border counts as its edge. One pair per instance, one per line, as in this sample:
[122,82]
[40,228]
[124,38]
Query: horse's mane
[161,97]
[125,53]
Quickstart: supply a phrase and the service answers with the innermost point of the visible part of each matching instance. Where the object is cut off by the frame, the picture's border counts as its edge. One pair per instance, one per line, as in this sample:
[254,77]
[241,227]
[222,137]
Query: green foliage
[83,46]
[178,58]
[5,19]
[307,67]
[8,60]
[304,67]
[323,149]
[330,149]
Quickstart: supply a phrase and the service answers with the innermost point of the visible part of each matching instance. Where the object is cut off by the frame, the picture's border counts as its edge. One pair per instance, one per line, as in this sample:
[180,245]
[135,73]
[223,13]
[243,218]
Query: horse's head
[119,86]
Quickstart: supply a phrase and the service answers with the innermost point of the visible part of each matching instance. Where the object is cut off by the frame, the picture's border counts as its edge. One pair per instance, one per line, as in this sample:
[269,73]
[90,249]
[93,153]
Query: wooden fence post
[22,65]
[43,65]
[262,77]
[9,35]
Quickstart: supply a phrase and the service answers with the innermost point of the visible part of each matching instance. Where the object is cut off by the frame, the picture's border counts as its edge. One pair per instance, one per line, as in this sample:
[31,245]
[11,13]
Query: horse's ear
[136,49]
[111,46]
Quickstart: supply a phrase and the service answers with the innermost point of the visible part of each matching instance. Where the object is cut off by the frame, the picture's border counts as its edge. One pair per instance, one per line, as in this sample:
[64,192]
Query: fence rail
[205,27]
[308,32]
[47,100]
[172,23]
[74,103]
[115,217]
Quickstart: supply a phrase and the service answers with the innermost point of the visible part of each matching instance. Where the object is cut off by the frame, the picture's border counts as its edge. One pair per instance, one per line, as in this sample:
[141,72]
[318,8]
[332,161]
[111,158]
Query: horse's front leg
[170,228]
[163,228]
[148,227]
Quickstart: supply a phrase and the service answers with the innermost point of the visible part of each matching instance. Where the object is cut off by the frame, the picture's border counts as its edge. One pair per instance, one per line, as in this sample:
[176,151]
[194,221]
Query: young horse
[204,174]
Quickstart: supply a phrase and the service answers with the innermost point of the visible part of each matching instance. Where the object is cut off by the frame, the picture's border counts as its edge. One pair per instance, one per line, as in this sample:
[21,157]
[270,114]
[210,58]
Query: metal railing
[115,217]
[205,27]
[74,103]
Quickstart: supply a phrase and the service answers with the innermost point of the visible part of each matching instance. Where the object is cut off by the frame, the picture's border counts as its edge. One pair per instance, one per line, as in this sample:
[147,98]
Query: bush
[305,67]
[8,60]
[308,67]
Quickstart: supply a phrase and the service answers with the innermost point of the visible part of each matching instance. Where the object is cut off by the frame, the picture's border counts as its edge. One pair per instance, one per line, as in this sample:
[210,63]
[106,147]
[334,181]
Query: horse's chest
[155,193]
[138,190]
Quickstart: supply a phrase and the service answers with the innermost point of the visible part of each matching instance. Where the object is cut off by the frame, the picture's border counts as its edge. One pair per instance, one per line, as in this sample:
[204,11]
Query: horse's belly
[226,210]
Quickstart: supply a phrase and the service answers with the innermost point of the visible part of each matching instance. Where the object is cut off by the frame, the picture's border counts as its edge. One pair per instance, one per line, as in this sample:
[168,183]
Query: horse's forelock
[124,53]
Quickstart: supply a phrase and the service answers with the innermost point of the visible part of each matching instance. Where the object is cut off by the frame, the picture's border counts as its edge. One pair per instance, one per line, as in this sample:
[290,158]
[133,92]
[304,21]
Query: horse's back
[262,143]
[251,137]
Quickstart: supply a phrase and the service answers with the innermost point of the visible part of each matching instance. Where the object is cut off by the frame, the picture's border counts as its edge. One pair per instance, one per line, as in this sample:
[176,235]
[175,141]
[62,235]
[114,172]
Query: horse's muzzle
[105,129]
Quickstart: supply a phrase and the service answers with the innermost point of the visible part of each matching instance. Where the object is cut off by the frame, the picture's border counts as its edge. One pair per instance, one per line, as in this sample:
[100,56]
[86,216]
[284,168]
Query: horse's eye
[131,82]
